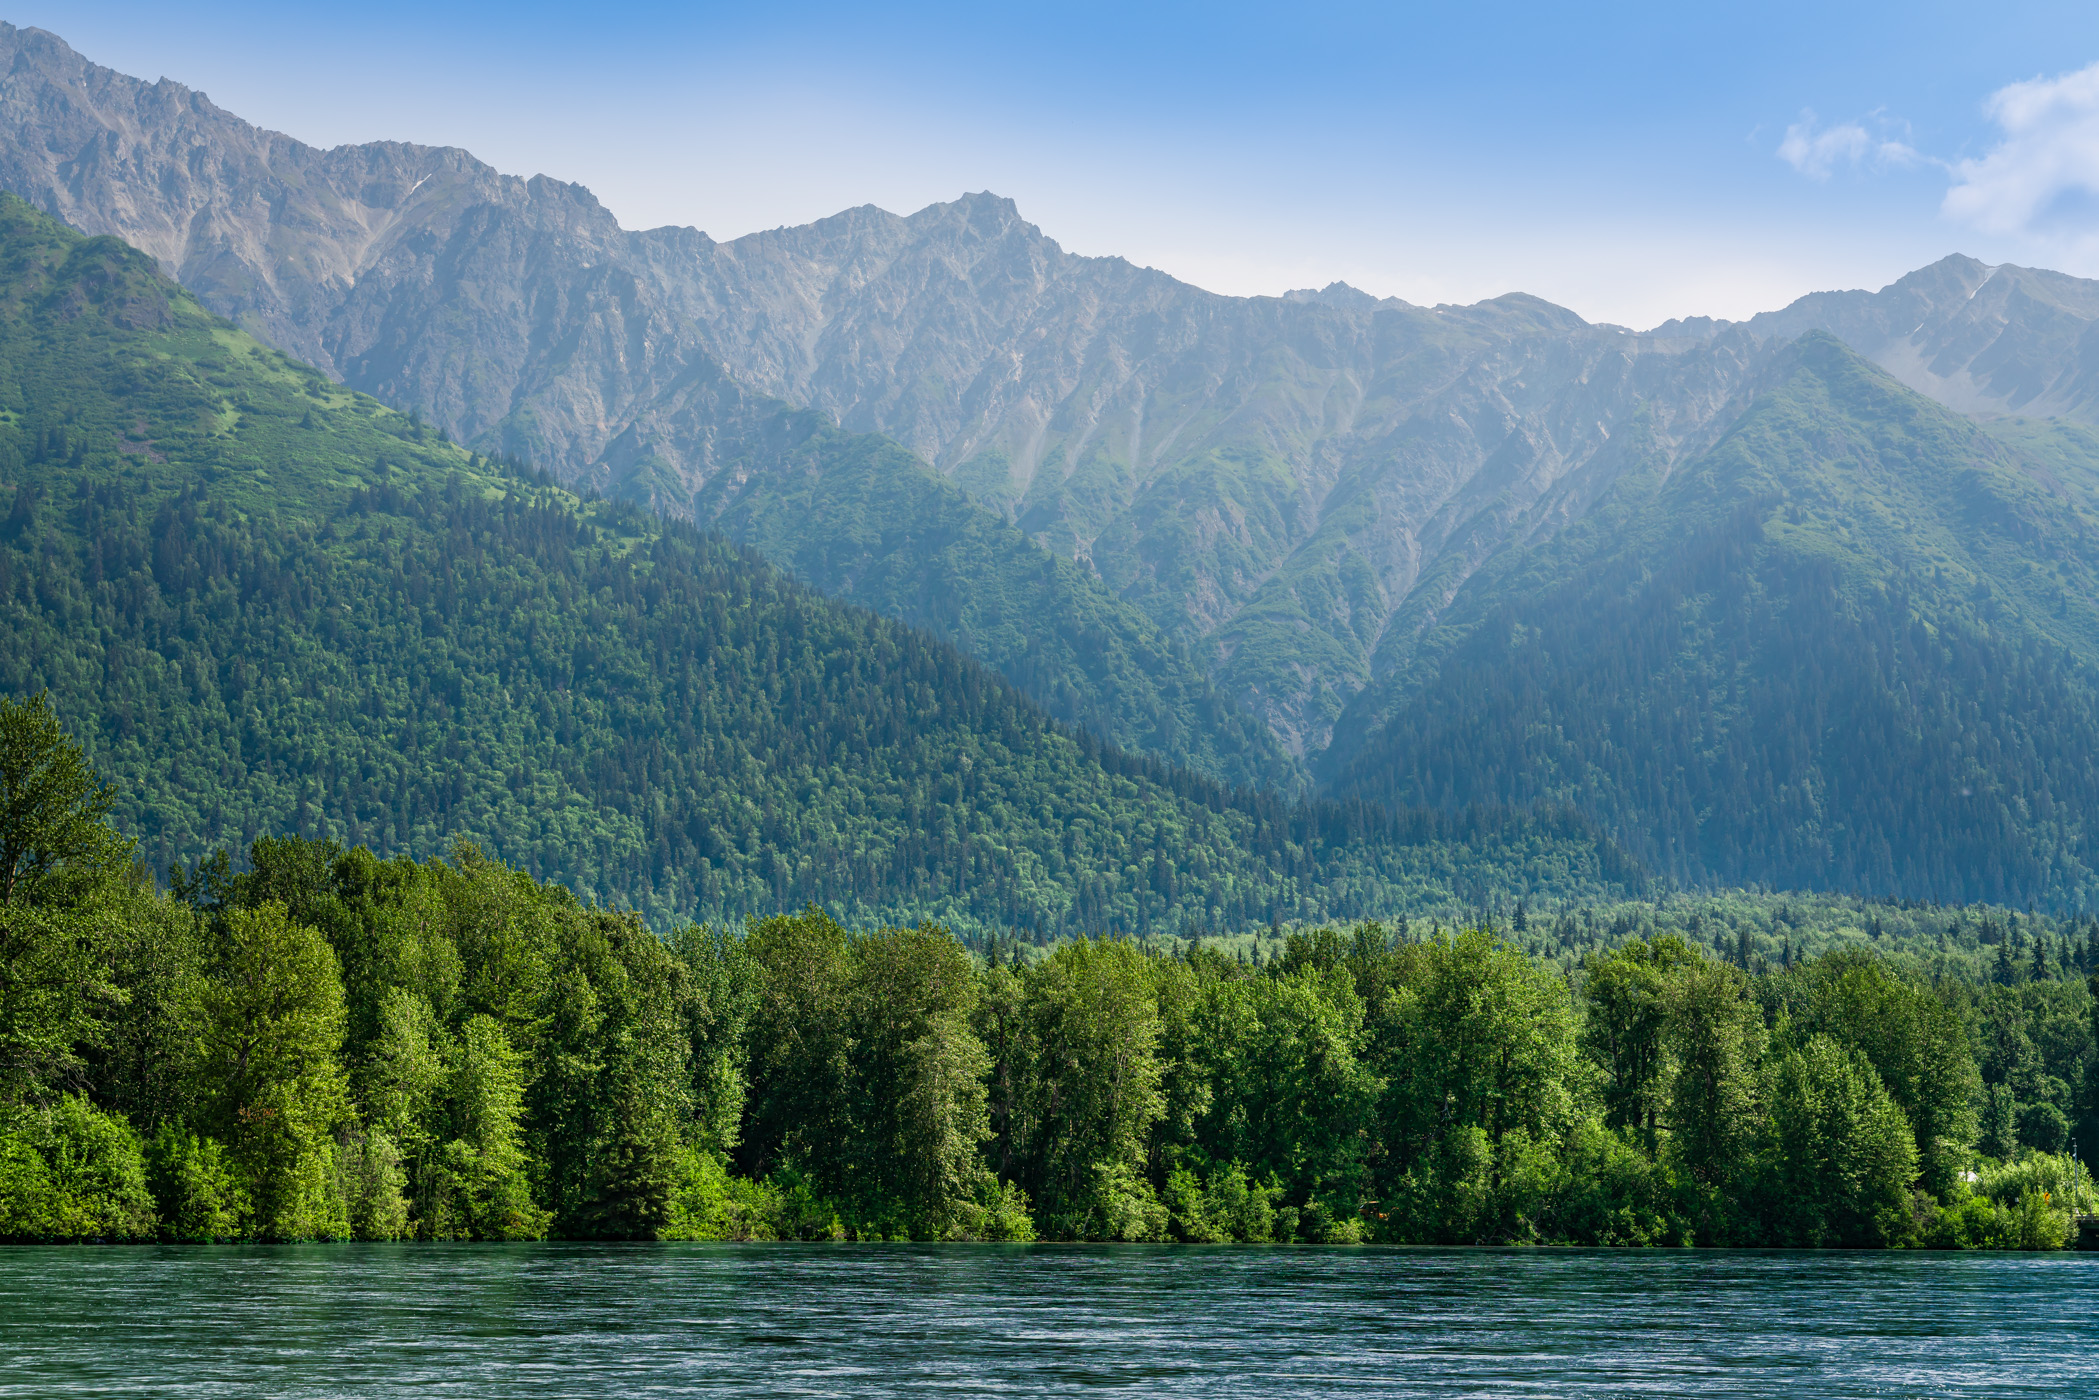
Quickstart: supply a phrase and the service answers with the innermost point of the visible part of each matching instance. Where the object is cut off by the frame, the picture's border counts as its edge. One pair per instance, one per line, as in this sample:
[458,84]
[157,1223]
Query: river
[871,1320]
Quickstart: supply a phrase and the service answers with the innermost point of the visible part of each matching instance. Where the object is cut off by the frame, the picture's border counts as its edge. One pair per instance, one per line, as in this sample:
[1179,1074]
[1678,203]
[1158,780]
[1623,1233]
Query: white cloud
[2042,178]
[1817,154]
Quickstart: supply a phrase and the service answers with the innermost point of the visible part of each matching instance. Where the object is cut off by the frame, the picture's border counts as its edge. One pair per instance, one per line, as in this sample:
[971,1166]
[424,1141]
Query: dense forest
[393,845]
[324,1044]
[268,605]
[857,517]
[1854,647]
[1761,932]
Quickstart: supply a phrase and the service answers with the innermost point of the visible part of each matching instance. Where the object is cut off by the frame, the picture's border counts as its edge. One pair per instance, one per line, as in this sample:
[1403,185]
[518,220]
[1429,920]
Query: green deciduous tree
[1844,1153]
[70,1171]
[53,973]
[1716,1034]
[1485,1076]
[199,1191]
[1093,1090]
[799,1044]
[272,1087]
[478,1180]
[722,982]
[1289,1100]
[612,1094]
[916,1071]
[54,808]
[1626,1030]
[1915,1042]
[62,915]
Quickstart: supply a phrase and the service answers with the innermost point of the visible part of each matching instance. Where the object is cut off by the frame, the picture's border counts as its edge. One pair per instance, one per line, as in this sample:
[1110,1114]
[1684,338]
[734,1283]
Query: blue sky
[1633,162]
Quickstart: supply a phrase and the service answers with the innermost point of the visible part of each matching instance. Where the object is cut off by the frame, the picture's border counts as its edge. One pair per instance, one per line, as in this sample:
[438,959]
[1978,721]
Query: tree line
[327,1045]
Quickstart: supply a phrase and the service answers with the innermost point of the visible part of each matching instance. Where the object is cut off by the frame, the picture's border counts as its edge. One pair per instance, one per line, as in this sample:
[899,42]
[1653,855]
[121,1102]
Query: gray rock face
[1985,341]
[1293,486]
[1272,476]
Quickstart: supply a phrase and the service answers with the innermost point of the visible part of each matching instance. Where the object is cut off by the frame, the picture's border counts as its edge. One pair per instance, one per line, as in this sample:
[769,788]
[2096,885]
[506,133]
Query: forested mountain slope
[282,238]
[1285,487]
[270,604]
[1265,478]
[859,518]
[1229,515]
[1852,647]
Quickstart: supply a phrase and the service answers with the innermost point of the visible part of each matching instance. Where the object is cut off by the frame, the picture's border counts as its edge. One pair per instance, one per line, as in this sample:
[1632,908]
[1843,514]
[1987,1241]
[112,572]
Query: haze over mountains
[271,605]
[1257,536]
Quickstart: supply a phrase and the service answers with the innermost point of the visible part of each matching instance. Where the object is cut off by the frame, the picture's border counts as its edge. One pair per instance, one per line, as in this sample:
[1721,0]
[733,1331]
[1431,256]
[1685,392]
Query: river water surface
[701,1320]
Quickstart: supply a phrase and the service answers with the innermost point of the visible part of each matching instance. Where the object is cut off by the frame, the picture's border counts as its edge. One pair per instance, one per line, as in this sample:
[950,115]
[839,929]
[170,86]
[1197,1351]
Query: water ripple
[757,1320]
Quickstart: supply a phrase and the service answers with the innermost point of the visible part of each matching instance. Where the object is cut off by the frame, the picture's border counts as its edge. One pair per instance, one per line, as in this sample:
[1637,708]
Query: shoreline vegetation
[329,1045]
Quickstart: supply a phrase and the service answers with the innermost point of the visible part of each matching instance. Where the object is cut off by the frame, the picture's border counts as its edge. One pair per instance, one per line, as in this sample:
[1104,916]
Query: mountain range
[268,604]
[1424,555]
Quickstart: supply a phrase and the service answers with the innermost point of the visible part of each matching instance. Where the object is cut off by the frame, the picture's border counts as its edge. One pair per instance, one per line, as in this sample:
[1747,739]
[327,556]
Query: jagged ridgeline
[1852,647]
[271,605]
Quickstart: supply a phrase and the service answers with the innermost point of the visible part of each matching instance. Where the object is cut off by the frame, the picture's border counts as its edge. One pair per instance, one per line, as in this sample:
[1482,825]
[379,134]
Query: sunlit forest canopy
[325,1044]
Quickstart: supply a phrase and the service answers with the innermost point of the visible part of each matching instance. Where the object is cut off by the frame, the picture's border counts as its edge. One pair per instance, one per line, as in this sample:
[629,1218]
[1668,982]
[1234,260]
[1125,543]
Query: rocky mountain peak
[1291,487]
[1266,478]
[1342,295]
[1984,340]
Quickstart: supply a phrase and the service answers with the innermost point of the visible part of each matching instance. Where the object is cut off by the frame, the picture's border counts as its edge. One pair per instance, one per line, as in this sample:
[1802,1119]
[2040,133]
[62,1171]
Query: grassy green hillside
[270,605]
[1851,648]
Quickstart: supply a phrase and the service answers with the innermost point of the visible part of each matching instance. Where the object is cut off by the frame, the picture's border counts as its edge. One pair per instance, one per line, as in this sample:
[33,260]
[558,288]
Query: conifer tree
[2000,1133]
[54,808]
